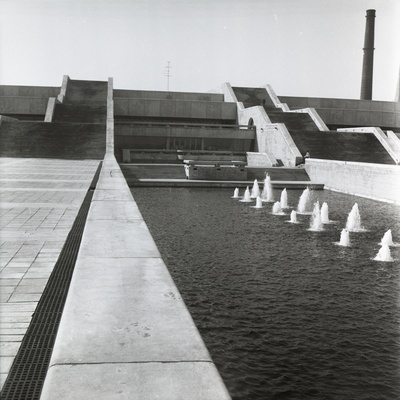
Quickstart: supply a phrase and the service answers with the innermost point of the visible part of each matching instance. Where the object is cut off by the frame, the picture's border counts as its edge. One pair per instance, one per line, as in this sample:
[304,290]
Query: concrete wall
[25,100]
[29,91]
[23,105]
[347,112]
[198,131]
[374,181]
[272,139]
[174,109]
[148,94]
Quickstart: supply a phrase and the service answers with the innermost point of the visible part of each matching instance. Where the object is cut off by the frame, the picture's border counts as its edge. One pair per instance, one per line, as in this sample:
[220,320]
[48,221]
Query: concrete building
[124,331]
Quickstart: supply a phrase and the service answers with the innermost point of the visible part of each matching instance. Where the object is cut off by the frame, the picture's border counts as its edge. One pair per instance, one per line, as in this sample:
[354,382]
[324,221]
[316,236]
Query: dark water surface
[284,312]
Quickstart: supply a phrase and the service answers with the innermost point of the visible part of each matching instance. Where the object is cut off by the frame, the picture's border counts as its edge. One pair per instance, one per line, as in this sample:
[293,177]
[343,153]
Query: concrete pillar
[368,59]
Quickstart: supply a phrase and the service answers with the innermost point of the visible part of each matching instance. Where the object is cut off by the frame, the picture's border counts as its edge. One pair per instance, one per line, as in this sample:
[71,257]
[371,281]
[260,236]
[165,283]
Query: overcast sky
[309,48]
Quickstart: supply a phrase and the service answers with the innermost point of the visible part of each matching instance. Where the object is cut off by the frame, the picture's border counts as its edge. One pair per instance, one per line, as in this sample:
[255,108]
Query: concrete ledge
[125,330]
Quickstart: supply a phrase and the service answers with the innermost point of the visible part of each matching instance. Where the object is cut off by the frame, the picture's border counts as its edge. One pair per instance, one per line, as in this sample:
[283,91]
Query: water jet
[255,190]
[267,194]
[304,202]
[384,254]
[246,197]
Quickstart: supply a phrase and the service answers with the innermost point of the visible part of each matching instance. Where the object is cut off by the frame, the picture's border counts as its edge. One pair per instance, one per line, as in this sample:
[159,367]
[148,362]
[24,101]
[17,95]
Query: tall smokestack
[368,59]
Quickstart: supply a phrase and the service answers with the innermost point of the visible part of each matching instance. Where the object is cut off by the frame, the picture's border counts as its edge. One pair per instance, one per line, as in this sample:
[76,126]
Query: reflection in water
[284,312]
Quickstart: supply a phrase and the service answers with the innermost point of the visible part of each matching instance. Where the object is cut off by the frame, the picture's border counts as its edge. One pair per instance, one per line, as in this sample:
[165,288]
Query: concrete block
[102,238]
[123,210]
[125,310]
[148,381]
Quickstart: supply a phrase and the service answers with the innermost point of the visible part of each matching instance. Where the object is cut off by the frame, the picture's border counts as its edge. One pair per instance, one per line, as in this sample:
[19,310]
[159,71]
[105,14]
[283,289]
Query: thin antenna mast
[168,73]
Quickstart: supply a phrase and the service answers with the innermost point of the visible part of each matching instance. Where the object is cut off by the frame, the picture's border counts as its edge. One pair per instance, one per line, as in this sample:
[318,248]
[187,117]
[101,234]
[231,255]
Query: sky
[310,48]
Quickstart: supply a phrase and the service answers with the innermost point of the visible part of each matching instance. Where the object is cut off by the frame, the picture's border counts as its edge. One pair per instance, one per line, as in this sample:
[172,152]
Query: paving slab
[125,310]
[39,201]
[144,381]
[125,331]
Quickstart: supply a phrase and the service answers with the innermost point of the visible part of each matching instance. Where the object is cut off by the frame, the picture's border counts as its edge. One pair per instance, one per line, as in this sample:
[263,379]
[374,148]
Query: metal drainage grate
[28,372]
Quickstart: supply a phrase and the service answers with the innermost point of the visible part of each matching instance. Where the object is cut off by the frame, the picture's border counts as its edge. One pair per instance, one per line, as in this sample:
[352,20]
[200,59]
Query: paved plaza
[39,201]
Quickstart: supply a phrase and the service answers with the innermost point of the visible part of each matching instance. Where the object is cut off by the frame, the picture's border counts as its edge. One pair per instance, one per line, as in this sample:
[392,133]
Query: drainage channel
[28,372]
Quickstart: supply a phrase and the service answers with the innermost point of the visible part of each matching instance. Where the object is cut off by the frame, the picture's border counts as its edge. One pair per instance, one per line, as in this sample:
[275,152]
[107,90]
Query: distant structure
[397,96]
[368,59]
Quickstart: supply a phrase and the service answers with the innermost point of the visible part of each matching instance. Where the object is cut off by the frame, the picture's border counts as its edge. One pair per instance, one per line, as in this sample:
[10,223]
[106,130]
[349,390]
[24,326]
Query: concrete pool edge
[124,314]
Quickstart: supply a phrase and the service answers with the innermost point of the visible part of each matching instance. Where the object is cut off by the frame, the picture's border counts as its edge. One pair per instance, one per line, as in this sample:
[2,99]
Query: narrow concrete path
[125,332]
[39,200]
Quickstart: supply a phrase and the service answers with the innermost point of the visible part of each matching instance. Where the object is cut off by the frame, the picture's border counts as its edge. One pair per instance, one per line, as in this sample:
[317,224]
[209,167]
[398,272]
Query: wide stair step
[341,146]
[86,91]
[259,97]
[80,113]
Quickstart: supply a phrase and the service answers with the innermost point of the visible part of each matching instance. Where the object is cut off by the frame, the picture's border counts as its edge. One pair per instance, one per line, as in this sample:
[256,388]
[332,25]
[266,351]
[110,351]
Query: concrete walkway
[125,332]
[39,200]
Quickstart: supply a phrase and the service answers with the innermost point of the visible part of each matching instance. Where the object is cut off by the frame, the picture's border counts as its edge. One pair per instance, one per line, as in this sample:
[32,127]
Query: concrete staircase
[72,141]
[85,101]
[329,145]
[342,146]
[259,97]
[77,131]
[87,113]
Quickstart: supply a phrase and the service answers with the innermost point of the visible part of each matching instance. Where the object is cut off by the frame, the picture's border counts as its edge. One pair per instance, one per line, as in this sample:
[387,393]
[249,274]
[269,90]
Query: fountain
[384,254]
[255,191]
[246,197]
[267,194]
[258,203]
[284,202]
[353,223]
[235,194]
[304,202]
[277,209]
[387,239]
[344,238]
[293,217]
[315,222]
[325,213]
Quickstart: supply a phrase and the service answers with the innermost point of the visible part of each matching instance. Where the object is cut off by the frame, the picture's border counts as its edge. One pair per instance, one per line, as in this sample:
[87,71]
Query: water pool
[285,312]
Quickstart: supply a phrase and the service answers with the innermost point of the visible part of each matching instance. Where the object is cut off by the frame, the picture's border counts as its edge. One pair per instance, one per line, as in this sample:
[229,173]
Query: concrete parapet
[63,90]
[315,117]
[374,181]
[155,108]
[275,99]
[394,141]
[160,95]
[51,105]
[125,332]
[110,117]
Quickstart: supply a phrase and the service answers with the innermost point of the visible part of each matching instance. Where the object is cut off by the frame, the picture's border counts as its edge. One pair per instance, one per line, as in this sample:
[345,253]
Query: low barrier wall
[174,109]
[23,105]
[149,94]
[374,181]
[28,91]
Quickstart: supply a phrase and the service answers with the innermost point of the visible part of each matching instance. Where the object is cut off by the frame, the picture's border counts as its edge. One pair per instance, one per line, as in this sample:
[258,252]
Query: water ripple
[284,312]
